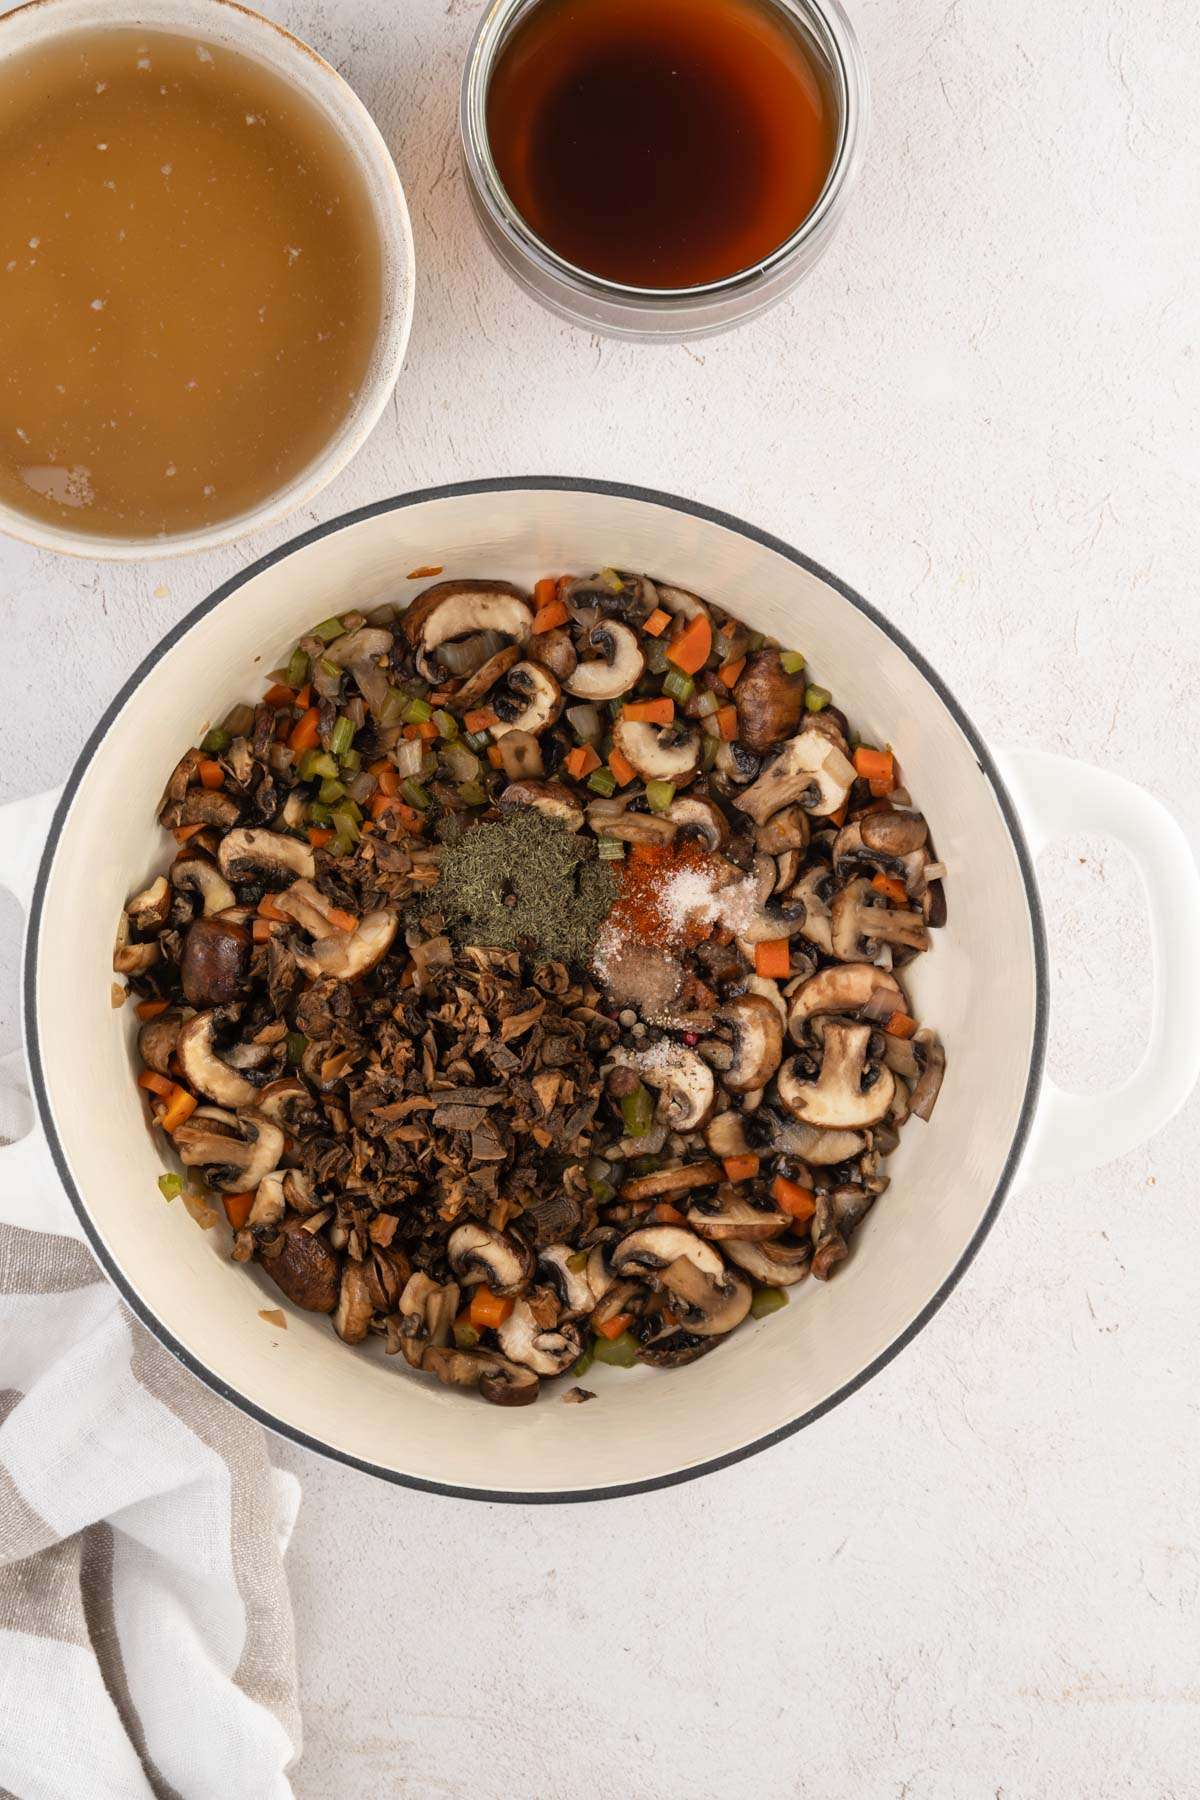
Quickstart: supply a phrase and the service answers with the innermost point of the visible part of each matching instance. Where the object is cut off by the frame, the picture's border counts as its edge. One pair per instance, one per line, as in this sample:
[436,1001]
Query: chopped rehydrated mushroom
[468,977]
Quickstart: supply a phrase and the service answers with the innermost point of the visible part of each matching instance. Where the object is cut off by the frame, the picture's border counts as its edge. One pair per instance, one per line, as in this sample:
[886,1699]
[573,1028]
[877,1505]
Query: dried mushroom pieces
[528,984]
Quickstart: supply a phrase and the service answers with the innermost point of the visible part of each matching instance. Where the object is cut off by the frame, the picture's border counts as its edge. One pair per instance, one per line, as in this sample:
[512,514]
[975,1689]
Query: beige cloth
[146,1643]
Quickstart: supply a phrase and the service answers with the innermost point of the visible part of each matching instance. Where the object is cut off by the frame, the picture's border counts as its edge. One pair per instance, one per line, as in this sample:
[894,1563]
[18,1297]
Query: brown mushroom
[730,1214]
[615,667]
[457,609]
[352,1317]
[861,922]
[757,1042]
[345,955]
[237,1151]
[849,1092]
[203,1069]
[499,1381]
[303,1266]
[265,856]
[550,798]
[157,1038]
[658,752]
[212,968]
[770,702]
[841,990]
[808,770]
[529,700]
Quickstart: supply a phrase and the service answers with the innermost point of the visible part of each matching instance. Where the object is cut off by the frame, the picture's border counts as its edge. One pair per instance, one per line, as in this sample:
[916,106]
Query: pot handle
[1055,796]
[31,1194]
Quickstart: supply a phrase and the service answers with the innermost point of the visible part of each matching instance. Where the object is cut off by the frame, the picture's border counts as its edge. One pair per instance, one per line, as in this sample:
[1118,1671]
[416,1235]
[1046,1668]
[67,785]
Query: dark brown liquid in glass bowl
[661,143]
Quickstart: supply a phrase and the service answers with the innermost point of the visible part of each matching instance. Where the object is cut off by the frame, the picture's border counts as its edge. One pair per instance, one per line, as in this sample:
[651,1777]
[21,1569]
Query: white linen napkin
[146,1640]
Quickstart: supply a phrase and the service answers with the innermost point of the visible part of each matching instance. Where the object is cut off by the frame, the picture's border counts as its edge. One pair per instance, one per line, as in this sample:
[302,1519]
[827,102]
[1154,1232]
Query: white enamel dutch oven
[75,856]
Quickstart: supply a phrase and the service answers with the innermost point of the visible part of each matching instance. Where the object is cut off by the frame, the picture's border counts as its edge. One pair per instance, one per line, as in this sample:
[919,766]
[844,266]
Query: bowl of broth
[662,169]
[206,274]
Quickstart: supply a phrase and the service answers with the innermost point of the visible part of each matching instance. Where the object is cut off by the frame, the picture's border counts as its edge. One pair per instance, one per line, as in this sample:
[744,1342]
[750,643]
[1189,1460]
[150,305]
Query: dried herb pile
[522,881]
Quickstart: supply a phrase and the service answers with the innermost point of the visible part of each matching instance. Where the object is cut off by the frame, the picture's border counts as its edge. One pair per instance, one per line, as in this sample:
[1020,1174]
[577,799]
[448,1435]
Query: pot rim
[729,522]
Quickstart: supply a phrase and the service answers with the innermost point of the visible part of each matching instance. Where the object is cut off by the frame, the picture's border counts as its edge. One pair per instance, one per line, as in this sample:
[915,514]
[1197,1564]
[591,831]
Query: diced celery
[791,661]
[679,686]
[659,795]
[296,673]
[618,1353]
[446,723]
[637,1110]
[170,1186]
[767,1300]
[816,699]
[417,711]
[215,741]
[341,737]
[416,795]
[327,630]
[329,791]
[297,1044]
[610,849]
[602,781]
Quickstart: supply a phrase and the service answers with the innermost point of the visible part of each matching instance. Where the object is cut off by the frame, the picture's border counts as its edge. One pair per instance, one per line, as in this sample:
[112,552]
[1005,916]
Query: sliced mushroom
[303,1265]
[645,1253]
[757,1042]
[486,676]
[284,1099]
[932,1061]
[776,1264]
[345,956]
[712,1305]
[427,1311]
[477,1253]
[680,603]
[130,958]
[675,1350]
[894,833]
[683,1081]
[265,856]
[498,1380]
[725,1134]
[209,806]
[270,1202]
[610,818]
[352,1317]
[193,875]
[859,926]
[309,907]
[849,1092]
[808,770]
[529,701]
[789,1137]
[786,830]
[458,609]
[235,1164]
[678,1180]
[521,756]
[547,1351]
[204,1071]
[811,891]
[614,669]
[157,1038]
[658,752]
[149,909]
[696,817]
[844,990]
[572,1285]
[550,798]
[729,1214]
[213,965]
[770,702]
[361,652]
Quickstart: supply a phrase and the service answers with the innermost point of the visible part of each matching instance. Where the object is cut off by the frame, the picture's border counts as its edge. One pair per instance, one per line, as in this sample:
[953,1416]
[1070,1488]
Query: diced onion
[408,755]
[585,722]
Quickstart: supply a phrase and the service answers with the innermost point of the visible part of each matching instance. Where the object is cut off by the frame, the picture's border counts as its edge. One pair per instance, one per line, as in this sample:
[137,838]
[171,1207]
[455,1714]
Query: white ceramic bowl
[225,23]
[983,985]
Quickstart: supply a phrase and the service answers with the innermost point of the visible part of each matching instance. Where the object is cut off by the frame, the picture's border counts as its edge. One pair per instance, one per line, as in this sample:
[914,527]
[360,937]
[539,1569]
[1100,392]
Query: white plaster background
[980,1576]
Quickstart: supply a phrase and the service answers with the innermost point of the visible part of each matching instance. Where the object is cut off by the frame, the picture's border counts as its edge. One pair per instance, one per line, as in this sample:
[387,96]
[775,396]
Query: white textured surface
[980,1576]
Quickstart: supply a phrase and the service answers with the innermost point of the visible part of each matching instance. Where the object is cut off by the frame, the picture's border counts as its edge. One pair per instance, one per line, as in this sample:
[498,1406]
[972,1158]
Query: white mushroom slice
[572,1285]
[680,603]
[195,876]
[477,1253]
[703,819]
[550,798]
[774,1263]
[645,1253]
[809,770]
[258,855]
[347,955]
[615,668]
[352,1316]
[485,677]
[234,1164]
[458,609]
[658,752]
[725,1134]
[149,909]
[600,1277]
[546,1352]
[817,928]
[682,1079]
[130,958]
[729,1214]
[844,990]
[361,652]
[501,1382]
[203,1069]
[157,1039]
[283,1098]
[529,702]
[270,1201]
[859,926]
[712,1305]
[757,1042]
[762,984]
[427,1311]
[309,907]
[837,1099]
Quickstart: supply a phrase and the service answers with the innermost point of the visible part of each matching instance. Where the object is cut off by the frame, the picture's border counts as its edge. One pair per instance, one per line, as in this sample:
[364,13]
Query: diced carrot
[900,1025]
[379,768]
[211,774]
[150,1009]
[623,770]
[344,921]
[666,1214]
[180,1106]
[156,1084]
[650,712]
[237,1209]
[278,695]
[790,1197]
[494,756]
[613,1328]
[727,722]
[368,825]
[773,959]
[550,617]
[692,648]
[425,729]
[389,780]
[306,731]
[580,762]
[889,885]
[741,1168]
[304,697]
[488,1309]
[319,836]
[545,591]
[878,768]
[267,909]
[261,930]
[182,833]
[412,820]
[482,719]
[730,671]
[657,623]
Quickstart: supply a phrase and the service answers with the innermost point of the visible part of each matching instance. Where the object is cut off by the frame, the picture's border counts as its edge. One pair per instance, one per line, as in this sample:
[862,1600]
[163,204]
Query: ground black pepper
[523,882]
